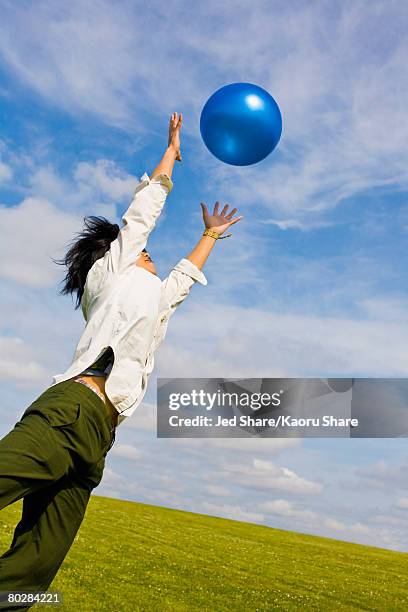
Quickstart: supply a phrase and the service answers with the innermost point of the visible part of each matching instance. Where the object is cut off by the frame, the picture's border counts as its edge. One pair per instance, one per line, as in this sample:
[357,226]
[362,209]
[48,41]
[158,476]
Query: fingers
[223,213]
[231,214]
[176,120]
[204,208]
[236,220]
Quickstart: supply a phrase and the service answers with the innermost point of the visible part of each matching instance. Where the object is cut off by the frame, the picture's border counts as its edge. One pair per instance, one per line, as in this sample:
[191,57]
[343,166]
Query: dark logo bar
[282,407]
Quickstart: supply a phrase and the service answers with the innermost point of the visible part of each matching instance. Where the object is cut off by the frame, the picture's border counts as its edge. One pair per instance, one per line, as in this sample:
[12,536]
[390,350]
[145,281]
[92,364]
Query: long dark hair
[90,244]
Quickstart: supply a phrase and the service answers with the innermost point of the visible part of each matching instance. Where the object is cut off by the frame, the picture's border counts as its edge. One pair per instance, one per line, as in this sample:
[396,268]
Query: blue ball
[241,124]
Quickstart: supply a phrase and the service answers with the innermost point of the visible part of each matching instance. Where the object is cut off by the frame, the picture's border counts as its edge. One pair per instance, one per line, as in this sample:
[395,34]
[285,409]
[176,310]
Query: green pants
[53,458]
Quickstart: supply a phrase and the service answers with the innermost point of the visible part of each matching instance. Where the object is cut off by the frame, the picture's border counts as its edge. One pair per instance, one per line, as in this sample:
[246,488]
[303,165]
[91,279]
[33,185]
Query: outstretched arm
[172,153]
[177,285]
[146,206]
[217,222]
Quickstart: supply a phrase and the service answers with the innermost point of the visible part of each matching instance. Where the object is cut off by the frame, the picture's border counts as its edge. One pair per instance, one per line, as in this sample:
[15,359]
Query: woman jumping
[55,454]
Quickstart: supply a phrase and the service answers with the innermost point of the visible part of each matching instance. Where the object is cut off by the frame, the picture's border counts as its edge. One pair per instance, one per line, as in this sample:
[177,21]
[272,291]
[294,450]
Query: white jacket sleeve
[139,219]
[175,289]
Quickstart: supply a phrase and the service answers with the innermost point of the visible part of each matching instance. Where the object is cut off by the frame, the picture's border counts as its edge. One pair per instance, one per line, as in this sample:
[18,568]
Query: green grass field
[129,556]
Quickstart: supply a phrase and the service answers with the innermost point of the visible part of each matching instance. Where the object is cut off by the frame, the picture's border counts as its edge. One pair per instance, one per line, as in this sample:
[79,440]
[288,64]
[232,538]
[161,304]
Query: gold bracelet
[215,235]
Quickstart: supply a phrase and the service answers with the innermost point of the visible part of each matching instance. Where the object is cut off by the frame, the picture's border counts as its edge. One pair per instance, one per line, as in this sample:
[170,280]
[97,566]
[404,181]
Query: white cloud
[32,233]
[334,524]
[329,526]
[45,183]
[83,56]
[304,225]
[5,172]
[232,512]
[269,446]
[42,225]
[127,451]
[384,475]
[402,503]
[144,418]
[385,308]
[106,177]
[282,507]
[19,361]
[369,535]
[217,490]
[92,186]
[113,479]
[264,475]
[274,344]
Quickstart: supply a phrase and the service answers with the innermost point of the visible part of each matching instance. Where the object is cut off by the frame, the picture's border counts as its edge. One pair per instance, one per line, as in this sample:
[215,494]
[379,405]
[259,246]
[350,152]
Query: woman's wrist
[211,233]
[201,251]
[215,233]
[172,151]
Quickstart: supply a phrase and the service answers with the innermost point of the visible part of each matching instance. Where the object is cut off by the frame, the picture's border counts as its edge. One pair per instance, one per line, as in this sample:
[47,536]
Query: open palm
[219,221]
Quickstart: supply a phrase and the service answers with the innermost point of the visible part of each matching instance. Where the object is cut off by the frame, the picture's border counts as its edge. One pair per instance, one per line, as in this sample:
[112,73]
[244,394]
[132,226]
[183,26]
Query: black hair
[90,245]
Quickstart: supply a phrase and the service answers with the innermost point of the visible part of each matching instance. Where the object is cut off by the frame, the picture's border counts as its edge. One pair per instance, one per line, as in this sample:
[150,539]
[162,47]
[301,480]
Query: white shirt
[127,307]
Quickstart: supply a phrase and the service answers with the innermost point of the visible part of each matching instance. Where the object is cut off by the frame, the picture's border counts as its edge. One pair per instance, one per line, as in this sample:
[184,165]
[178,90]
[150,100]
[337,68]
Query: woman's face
[145,262]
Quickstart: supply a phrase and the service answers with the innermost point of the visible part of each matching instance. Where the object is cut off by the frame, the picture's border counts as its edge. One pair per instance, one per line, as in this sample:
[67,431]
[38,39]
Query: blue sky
[313,282]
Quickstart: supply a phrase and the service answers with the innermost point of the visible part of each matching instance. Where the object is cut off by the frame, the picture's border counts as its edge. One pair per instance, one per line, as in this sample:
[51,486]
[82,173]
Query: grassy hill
[129,556]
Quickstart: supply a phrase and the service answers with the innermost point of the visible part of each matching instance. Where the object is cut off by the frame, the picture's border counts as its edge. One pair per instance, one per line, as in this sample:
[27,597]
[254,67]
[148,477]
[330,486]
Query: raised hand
[174,133]
[219,221]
